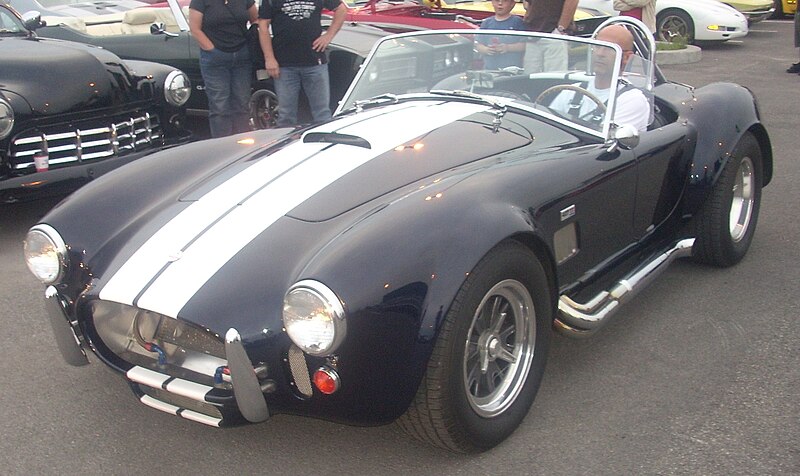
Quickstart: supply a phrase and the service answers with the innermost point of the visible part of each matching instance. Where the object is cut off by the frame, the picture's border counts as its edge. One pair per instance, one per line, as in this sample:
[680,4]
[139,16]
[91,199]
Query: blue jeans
[314,81]
[227,78]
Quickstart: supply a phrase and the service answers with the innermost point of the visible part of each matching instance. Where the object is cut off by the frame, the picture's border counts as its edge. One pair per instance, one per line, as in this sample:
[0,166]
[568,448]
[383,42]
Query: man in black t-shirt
[295,53]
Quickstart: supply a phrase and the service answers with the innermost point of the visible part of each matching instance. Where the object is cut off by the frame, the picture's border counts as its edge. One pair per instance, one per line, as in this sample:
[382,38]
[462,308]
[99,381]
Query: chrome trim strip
[246,389]
[185,388]
[159,405]
[173,410]
[147,377]
[580,320]
[200,418]
[65,330]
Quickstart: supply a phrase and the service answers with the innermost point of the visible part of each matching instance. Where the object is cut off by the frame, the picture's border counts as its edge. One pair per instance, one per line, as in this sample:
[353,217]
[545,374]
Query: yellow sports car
[785,7]
[757,10]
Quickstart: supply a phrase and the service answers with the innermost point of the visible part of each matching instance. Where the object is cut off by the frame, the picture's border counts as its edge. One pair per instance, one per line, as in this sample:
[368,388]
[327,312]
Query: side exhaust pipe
[582,320]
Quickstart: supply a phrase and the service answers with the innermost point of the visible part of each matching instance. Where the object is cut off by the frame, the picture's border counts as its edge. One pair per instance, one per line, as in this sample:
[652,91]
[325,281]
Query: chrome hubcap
[672,27]
[499,348]
[742,202]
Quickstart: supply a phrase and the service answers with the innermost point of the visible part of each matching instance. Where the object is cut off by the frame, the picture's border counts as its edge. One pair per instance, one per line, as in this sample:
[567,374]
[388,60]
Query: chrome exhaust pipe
[581,320]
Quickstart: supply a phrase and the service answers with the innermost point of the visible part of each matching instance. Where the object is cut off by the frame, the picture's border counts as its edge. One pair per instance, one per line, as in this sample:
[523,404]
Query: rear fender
[721,113]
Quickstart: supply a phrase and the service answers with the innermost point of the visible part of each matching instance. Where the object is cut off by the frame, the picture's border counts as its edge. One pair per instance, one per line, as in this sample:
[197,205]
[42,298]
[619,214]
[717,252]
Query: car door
[663,156]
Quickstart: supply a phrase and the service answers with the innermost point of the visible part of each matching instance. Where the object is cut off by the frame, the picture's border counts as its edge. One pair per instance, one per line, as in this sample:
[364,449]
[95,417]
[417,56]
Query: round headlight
[177,88]
[314,318]
[45,253]
[6,118]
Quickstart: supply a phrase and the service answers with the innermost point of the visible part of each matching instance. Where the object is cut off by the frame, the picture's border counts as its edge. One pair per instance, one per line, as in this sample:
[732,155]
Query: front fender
[398,271]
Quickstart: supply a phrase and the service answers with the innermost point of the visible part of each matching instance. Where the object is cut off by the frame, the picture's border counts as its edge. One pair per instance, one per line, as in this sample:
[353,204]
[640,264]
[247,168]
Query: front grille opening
[185,350]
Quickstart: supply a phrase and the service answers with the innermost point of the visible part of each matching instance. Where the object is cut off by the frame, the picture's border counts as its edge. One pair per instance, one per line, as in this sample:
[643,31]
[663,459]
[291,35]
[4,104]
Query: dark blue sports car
[408,259]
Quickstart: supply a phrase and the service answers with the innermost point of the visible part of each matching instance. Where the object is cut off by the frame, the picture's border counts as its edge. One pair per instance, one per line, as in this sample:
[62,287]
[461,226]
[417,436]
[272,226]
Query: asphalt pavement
[699,374]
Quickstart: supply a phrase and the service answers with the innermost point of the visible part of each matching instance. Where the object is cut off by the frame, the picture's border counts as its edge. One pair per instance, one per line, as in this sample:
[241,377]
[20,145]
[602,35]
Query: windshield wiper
[378,100]
[466,94]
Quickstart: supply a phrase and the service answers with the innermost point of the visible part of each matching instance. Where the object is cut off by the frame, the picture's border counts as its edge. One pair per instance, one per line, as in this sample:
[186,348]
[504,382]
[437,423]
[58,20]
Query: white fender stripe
[311,170]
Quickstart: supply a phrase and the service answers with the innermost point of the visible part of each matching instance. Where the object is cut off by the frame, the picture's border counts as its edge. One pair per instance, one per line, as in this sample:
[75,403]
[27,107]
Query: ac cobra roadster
[408,259]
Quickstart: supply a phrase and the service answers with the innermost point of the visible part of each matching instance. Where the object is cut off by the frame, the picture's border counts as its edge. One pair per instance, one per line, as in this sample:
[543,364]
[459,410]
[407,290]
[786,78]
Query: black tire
[263,109]
[725,226]
[473,396]
[778,13]
[672,23]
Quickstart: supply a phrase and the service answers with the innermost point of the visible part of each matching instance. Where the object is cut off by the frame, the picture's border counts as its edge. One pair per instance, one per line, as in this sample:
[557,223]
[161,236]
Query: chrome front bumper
[246,388]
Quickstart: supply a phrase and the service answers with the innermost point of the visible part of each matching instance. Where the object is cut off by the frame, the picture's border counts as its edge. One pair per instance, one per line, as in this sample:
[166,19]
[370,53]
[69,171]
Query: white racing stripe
[159,249]
[234,230]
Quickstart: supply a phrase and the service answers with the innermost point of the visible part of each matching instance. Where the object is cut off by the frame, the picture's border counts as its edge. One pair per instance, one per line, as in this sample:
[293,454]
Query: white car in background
[697,20]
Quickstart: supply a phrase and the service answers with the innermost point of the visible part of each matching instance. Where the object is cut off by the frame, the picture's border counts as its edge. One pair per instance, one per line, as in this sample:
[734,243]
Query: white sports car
[698,20]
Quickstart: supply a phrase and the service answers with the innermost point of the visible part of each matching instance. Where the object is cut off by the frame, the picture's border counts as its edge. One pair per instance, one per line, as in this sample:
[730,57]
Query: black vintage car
[161,33]
[70,112]
[408,259]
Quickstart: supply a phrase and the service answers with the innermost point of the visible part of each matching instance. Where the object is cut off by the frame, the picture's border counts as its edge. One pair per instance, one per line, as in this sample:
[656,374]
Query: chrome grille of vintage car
[91,140]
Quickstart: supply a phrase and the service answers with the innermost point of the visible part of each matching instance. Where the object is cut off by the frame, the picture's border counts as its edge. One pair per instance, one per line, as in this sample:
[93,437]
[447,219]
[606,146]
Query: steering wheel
[601,107]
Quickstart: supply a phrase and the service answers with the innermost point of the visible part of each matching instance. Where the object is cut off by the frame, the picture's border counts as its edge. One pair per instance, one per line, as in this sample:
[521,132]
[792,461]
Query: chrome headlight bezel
[177,88]
[314,318]
[6,118]
[46,253]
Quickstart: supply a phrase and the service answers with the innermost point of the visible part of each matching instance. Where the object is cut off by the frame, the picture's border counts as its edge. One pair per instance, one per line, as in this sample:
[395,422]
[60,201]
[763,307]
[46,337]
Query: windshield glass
[565,77]
[9,24]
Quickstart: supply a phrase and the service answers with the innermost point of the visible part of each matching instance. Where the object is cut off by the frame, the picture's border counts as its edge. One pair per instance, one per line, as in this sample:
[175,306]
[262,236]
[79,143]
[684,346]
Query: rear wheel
[725,226]
[489,357]
[672,24]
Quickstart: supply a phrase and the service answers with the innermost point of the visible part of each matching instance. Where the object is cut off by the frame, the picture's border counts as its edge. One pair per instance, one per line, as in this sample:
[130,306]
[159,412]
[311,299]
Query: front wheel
[263,109]
[489,358]
[725,226]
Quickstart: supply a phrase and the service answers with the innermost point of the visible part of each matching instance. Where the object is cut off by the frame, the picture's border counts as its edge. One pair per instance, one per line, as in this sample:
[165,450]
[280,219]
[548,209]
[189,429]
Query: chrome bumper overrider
[66,331]
[246,388]
[580,320]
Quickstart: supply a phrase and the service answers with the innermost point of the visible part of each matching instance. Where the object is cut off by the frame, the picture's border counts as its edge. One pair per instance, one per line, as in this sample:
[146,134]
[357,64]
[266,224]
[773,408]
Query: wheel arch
[721,113]
[543,253]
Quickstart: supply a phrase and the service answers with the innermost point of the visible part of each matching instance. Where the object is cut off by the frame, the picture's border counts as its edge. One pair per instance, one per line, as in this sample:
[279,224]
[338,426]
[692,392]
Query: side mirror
[33,20]
[160,29]
[625,136]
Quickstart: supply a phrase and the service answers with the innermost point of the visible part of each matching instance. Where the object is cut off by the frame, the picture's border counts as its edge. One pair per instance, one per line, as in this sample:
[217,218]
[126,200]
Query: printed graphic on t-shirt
[298,9]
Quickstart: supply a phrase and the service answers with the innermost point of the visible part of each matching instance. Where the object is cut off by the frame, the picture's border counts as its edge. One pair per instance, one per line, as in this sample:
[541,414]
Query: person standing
[644,10]
[219,27]
[295,53]
[795,68]
[548,16]
[505,51]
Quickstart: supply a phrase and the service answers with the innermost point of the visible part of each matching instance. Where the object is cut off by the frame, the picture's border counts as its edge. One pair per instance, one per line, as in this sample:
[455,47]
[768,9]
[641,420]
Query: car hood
[184,225]
[83,76]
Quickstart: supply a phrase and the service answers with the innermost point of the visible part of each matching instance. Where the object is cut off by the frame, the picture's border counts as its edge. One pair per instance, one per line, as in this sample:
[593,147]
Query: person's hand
[272,67]
[321,43]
